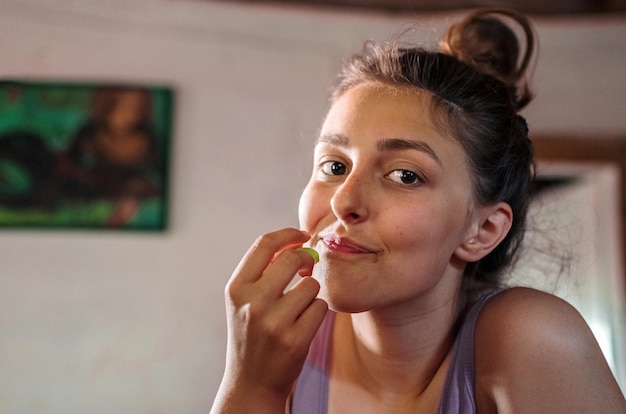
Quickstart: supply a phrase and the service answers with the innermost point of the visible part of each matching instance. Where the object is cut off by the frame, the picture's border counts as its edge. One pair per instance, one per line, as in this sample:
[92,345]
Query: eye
[333,168]
[404,177]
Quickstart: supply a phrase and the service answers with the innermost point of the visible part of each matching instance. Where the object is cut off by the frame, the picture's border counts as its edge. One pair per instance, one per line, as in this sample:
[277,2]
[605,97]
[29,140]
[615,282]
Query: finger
[295,301]
[310,320]
[299,313]
[262,252]
[308,270]
[281,271]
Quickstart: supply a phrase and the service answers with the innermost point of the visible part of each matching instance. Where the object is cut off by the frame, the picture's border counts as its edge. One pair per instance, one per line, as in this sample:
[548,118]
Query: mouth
[336,244]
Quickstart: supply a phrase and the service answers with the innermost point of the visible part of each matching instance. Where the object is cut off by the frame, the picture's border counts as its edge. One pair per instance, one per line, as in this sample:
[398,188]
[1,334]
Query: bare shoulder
[536,353]
[522,311]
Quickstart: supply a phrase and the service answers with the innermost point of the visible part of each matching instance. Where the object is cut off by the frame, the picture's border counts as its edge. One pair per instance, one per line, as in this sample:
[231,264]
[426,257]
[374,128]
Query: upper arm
[535,353]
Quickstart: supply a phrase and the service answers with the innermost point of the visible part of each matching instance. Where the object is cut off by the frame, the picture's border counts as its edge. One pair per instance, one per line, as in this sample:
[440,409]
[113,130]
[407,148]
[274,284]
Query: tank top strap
[458,392]
[311,390]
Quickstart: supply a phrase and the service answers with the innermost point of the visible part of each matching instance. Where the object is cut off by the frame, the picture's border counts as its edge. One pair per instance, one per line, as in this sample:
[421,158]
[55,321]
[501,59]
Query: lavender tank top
[311,391]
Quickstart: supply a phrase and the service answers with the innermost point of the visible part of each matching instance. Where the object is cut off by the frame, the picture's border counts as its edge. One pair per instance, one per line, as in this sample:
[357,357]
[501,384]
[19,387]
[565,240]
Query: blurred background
[106,321]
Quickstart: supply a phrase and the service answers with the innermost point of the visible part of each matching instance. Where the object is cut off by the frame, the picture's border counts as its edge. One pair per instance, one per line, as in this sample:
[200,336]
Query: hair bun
[485,41]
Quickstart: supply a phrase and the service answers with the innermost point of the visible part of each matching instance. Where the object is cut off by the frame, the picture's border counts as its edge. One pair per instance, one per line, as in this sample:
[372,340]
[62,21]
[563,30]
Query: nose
[350,200]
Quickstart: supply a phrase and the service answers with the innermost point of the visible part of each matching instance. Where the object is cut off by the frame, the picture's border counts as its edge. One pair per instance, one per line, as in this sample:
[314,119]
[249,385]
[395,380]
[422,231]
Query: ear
[489,227]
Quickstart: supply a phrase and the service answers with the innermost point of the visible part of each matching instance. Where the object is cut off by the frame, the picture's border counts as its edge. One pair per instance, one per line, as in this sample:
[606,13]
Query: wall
[134,323]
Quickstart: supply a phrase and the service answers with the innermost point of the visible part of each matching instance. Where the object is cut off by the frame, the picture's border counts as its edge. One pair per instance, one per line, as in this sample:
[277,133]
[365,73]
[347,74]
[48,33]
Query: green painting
[84,155]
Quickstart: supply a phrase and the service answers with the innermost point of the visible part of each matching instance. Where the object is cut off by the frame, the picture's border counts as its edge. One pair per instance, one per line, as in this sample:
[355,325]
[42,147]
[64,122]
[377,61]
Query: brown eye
[333,168]
[404,177]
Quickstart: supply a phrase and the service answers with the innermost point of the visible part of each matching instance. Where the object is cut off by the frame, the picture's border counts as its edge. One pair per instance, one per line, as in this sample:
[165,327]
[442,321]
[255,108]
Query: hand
[270,328]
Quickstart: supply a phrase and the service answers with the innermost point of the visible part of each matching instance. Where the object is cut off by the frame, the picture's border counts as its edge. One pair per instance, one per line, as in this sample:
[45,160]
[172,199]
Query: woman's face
[127,111]
[388,203]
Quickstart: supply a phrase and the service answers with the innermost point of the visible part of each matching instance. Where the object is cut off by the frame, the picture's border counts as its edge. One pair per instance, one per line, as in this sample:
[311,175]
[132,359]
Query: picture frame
[84,155]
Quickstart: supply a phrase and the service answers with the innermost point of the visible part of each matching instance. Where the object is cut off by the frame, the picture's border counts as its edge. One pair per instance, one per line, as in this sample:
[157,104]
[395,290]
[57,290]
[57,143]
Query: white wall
[134,323]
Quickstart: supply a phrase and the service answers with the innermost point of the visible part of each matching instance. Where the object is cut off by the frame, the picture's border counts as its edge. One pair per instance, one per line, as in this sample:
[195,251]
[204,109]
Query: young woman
[416,205]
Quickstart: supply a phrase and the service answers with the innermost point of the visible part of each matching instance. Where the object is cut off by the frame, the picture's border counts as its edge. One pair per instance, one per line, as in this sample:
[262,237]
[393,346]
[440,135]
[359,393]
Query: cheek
[408,228]
[306,208]
[419,229]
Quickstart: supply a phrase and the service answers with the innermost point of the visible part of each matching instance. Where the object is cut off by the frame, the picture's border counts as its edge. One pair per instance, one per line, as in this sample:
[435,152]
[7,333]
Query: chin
[341,290]
[344,301]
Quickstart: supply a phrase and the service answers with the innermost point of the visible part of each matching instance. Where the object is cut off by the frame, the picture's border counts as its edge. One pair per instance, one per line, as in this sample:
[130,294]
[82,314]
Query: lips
[338,244]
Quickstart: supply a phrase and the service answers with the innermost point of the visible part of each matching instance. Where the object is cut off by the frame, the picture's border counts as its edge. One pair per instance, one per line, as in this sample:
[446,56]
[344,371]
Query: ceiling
[557,7]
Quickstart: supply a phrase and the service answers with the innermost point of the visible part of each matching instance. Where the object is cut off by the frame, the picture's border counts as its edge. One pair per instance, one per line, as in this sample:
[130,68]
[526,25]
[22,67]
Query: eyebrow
[398,144]
[334,139]
[386,145]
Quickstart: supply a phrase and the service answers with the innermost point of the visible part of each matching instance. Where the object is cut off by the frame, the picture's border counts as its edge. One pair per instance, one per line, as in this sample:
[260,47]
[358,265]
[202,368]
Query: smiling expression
[388,203]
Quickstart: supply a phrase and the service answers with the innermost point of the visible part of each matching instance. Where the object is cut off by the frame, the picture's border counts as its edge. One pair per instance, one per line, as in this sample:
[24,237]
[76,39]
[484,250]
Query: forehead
[386,110]
[375,106]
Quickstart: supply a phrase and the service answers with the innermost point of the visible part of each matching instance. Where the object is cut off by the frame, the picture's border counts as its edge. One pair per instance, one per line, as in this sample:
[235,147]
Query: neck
[391,353]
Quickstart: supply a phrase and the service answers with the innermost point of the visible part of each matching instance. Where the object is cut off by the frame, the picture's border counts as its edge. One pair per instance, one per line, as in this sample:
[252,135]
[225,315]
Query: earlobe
[491,226]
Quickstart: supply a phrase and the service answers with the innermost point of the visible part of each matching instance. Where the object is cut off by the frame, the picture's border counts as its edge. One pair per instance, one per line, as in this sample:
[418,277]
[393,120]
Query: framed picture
[84,155]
